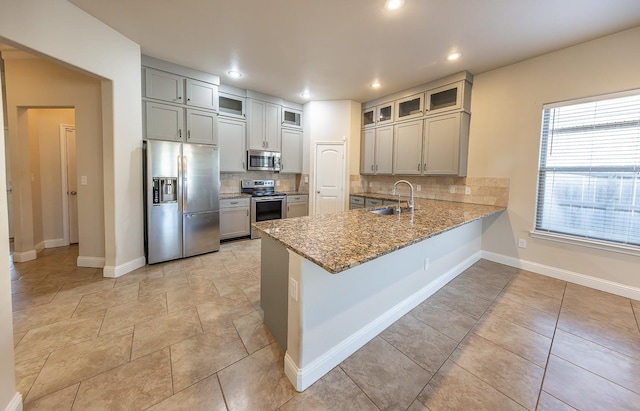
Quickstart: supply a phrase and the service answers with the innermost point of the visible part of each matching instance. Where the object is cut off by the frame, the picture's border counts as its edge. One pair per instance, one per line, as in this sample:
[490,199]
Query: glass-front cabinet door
[231,106]
[410,107]
[368,117]
[444,98]
[384,113]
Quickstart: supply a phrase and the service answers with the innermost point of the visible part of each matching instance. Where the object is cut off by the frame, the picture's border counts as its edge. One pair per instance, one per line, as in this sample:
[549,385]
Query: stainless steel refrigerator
[182,200]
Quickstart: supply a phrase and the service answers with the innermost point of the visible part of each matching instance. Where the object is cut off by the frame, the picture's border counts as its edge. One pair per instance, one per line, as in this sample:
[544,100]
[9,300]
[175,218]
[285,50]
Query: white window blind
[589,174]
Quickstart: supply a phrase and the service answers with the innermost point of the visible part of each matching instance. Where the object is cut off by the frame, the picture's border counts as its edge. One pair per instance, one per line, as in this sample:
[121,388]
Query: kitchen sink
[384,211]
[390,210]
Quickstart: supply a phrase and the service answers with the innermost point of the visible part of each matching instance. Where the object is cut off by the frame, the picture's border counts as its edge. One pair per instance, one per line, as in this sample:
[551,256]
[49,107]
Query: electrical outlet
[467,190]
[293,289]
[277,183]
[426,263]
[306,179]
[452,189]
[370,185]
[418,187]
[522,243]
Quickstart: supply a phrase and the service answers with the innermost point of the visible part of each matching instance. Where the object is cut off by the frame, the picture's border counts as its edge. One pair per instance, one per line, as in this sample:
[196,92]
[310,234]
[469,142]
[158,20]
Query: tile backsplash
[230,182]
[481,190]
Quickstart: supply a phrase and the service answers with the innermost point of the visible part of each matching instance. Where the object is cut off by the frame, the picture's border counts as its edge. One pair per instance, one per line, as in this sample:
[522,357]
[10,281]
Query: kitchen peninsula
[330,283]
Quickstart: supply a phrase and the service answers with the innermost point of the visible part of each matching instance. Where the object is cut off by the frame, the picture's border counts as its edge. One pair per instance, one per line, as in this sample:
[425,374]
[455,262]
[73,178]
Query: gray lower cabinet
[234,218]
[297,205]
[356,202]
[372,202]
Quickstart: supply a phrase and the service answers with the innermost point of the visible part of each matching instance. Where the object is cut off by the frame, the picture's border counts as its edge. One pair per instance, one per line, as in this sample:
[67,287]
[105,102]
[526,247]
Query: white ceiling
[336,48]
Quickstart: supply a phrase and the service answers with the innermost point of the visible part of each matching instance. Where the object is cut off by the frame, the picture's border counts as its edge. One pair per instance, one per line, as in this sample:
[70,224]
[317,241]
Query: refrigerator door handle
[185,184]
[179,193]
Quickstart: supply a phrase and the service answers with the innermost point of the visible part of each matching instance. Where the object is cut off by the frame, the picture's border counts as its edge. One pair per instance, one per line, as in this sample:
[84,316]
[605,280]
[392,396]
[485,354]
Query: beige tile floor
[188,335]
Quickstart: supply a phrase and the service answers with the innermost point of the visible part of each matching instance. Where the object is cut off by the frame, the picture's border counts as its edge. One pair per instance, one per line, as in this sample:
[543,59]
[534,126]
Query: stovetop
[260,188]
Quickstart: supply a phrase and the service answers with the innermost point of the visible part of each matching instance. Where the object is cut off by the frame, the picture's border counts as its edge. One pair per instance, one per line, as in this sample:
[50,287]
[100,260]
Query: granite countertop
[339,241]
[231,196]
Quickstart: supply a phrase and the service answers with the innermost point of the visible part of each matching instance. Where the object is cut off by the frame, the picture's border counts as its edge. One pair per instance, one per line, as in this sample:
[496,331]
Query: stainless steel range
[266,203]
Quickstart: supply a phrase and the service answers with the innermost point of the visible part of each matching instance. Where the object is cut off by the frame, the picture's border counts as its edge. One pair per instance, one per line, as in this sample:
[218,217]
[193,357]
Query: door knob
[318,192]
[73,193]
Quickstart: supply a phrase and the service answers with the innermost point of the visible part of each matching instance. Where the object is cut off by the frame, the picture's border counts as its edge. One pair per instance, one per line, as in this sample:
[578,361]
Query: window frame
[567,238]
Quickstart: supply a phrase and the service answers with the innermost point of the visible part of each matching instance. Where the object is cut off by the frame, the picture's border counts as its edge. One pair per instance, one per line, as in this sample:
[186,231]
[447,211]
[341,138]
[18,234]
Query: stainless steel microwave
[263,160]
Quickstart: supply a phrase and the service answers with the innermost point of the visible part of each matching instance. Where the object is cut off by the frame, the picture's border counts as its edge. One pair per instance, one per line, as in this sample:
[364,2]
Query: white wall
[57,29]
[71,36]
[331,121]
[506,109]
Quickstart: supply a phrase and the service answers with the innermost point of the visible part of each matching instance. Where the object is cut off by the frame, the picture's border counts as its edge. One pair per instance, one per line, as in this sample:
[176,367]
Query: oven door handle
[263,199]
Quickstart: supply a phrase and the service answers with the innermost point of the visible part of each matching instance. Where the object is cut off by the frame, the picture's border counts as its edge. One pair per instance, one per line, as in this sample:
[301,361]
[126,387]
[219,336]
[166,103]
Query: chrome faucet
[409,201]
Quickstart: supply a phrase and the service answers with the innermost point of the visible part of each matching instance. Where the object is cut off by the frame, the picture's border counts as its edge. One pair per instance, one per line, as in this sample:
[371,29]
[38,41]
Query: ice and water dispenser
[165,190]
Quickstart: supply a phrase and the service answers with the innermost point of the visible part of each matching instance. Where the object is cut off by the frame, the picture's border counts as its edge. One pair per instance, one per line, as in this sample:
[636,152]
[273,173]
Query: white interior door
[72,184]
[329,178]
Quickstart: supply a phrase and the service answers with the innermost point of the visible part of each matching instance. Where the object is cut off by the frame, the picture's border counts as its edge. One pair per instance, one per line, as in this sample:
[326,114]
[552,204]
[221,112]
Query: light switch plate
[83,180]
[452,189]
[418,187]
[277,183]
[467,190]
[522,243]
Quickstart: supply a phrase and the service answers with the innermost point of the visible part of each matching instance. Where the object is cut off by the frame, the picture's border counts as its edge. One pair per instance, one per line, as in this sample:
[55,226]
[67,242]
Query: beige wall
[34,82]
[504,139]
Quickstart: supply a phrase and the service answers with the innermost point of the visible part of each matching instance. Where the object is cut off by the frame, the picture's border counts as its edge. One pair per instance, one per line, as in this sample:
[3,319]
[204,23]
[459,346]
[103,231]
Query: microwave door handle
[185,187]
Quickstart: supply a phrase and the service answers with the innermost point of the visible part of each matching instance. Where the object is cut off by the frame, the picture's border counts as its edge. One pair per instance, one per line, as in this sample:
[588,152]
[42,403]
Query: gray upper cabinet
[291,157]
[291,118]
[160,85]
[178,104]
[407,148]
[410,107]
[163,122]
[446,144]
[377,150]
[430,131]
[263,121]
[201,94]
[231,106]
[231,140]
[202,127]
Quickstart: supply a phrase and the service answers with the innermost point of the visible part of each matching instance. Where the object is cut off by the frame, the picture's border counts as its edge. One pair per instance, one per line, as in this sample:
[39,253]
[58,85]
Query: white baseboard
[565,275]
[94,262]
[306,376]
[15,404]
[56,242]
[39,247]
[24,256]
[112,271]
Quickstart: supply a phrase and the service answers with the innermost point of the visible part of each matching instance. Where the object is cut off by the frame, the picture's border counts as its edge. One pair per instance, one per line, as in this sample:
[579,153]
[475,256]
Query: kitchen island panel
[332,316]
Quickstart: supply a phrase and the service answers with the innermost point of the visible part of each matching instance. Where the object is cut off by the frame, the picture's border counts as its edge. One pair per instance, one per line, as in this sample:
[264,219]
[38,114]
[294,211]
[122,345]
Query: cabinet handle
[376,167]
[179,133]
[371,167]
[418,166]
[188,134]
[243,167]
[234,202]
[179,97]
[247,213]
[425,167]
[188,99]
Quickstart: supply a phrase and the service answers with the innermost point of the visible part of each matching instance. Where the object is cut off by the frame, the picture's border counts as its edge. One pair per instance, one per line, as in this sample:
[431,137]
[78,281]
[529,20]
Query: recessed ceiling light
[305,94]
[375,84]
[454,56]
[393,4]
[234,74]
